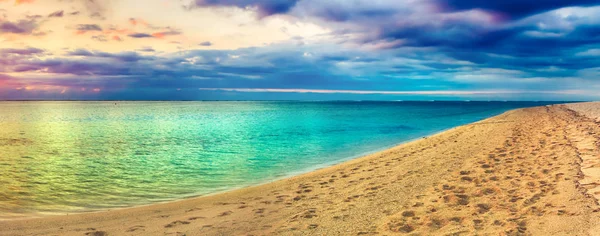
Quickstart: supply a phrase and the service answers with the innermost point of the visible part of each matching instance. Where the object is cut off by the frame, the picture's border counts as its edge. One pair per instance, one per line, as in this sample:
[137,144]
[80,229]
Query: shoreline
[41,215]
[192,197]
[437,184]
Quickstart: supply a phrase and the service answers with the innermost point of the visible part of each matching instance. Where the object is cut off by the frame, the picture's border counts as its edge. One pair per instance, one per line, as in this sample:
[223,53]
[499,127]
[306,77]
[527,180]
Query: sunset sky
[300,49]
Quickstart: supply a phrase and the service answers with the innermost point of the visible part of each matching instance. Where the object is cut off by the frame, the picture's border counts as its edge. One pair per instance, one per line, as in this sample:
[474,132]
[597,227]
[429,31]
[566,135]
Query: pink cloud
[136,21]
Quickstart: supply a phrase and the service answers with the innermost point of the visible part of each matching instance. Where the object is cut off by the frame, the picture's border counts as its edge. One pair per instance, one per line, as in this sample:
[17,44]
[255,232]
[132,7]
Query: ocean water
[61,157]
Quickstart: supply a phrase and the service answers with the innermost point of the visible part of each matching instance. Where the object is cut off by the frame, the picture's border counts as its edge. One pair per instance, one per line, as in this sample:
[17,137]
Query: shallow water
[58,157]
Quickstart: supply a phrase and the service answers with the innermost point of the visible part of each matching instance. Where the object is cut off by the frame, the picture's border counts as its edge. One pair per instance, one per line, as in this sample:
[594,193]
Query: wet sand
[528,171]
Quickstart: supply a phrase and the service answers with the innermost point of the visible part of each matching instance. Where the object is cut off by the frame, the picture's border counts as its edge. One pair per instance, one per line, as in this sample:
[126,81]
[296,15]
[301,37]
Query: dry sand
[589,149]
[589,109]
[517,173]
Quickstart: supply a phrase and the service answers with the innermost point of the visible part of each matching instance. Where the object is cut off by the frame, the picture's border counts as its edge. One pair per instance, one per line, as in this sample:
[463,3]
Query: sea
[70,157]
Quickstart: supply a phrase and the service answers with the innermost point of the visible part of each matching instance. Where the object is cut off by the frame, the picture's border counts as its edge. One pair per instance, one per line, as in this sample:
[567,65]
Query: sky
[300,50]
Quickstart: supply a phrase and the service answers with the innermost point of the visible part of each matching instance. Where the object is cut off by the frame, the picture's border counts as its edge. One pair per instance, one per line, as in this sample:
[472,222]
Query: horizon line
[284,100]
[392,92]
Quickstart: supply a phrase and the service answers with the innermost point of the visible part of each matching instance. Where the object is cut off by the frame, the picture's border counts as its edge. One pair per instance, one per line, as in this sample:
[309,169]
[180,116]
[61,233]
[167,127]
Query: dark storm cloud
[285,67]
[264,7]
[516,8]
[536,40]
[375,45]
[340,11]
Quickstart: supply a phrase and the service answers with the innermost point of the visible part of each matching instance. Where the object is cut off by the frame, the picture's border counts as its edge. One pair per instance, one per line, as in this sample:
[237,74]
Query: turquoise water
[58,157]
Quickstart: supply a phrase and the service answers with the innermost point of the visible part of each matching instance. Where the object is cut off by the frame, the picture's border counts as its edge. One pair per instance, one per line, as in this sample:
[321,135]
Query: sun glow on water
[58,157]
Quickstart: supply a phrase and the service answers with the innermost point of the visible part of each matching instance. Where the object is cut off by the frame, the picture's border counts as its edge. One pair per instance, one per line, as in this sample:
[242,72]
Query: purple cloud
[147,49]
[140,35]
[57,14]
[23,51]
[88,27]
[19,27]
[122,56]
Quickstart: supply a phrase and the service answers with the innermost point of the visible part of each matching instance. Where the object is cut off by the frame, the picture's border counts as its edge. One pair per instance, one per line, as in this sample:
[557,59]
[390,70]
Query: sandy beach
[533,171]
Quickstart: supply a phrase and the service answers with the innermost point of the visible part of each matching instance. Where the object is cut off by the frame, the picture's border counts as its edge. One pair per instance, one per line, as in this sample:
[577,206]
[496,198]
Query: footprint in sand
[313,226]
[97,233]
[193,209]
[176,223]
[225,213]
[136,228]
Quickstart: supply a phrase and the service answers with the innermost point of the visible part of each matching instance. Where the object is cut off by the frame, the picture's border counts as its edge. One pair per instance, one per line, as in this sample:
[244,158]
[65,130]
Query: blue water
[58,157]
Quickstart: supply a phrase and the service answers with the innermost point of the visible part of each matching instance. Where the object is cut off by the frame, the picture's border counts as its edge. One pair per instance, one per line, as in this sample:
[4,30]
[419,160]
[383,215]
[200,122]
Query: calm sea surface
[59,157]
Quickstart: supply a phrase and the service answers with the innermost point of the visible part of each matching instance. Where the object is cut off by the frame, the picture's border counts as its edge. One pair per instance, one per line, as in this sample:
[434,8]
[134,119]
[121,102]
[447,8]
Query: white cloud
[589,53]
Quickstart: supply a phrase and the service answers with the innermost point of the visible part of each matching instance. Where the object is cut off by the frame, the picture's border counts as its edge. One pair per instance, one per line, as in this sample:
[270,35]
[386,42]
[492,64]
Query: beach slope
[528,171]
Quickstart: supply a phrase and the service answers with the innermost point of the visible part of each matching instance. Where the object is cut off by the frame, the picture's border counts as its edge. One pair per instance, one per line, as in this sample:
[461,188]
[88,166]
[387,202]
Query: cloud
[122,56]
[104,38]
[140,35]
[147,49]
[516,8]
[163,34]
[84,28]
[21,51]
[158,35]
[80,52]
[97,16]
[33,17]
[390,48]
[97,8]
[589,53]
[137,21]
[100,38]
[57,14]
[263,7]
[454,25]
[330,70]
[117,31]
[343,10]
[19,27]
